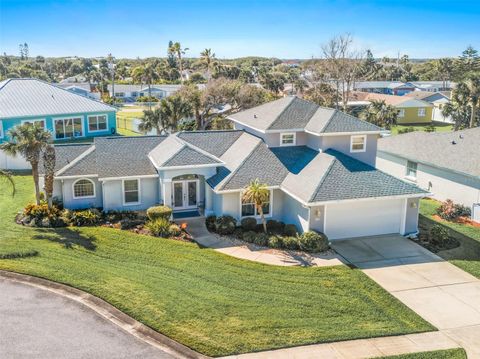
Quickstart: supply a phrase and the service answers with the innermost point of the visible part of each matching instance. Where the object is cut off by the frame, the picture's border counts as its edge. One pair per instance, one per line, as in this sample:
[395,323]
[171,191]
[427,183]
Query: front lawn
[439,127]
[213,303]
[467,255]
[437,354]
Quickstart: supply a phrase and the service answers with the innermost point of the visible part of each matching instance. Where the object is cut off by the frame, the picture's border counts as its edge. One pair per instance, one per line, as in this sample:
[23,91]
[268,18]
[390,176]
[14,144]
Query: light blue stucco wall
[113,195]
[9,123]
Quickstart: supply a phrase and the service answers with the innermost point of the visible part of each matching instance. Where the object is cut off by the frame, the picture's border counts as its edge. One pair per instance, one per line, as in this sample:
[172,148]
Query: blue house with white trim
[67,115]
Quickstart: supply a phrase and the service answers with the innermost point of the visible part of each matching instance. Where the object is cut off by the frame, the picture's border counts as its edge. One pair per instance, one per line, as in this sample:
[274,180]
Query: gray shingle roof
[348,178]
[32,97]
[342,122]
[437,149]
[85,166]
[296,115]
[187,156]
[65,154]
[214,142]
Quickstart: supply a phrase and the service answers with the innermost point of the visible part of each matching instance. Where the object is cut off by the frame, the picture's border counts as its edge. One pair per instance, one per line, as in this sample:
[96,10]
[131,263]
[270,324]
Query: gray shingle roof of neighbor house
[214,142]
[457,151]
[32,97]
[293,113]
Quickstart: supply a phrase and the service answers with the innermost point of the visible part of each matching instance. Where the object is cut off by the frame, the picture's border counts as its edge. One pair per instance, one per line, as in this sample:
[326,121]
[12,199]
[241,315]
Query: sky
[231,28]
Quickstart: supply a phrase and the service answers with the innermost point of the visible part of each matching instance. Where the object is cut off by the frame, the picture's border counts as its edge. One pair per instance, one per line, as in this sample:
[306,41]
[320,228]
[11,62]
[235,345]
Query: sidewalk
[238,249]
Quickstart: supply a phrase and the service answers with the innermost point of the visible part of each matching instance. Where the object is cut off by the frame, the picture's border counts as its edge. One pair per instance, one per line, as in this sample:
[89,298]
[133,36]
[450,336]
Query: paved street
[37,323]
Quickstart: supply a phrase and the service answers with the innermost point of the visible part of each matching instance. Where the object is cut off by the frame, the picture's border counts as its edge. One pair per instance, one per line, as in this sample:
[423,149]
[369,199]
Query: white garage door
[363,218]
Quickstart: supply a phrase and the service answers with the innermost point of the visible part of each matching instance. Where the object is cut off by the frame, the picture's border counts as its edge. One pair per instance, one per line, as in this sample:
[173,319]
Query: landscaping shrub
[313,242]
[174,230]
[225,225]
[439,235]
[290,242]
[87,217]
[249,236]
[159,212]
[159,227]
[40,211]
[261,239]
[13,255]
[210,223]
[41,216]
[117,216]
[451,211]
[249,224]
[275,241]
[127,223]
[406,130]
[290,230]
[275,227]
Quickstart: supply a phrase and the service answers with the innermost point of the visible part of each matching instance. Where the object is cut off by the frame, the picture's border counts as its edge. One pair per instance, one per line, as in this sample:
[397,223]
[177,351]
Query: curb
[109,312]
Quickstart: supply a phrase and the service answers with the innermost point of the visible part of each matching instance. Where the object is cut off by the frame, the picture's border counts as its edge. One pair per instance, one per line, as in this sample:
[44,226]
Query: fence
[131,124]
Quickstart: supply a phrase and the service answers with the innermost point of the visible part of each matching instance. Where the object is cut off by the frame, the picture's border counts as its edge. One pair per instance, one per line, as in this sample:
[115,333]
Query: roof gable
[214,142]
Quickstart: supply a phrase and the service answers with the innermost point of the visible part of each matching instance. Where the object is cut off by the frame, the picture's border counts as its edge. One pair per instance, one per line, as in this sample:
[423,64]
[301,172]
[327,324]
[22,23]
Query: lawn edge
[109,312]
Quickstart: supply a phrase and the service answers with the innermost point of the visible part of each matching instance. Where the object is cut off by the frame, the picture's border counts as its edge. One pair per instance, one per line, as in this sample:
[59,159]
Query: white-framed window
[68,127]
[421,112]
[288,139]
[249,209]
[401,113]
[1,129]
[131,191]
[97,123]
[83,188]
[411,171]
[358,143]
[40,122]
[119,94]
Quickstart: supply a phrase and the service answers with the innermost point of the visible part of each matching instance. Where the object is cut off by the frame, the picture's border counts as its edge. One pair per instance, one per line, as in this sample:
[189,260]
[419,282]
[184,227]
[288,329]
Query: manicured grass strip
[467,256]
[438,354]
[213,303]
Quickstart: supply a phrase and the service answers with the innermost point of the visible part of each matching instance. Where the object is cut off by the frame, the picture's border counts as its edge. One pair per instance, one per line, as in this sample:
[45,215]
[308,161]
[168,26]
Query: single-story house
[130,93]
[437,99]
[66,114]
[384,87]
[81,88]
[445,164]
[410,110]
[318,164]
[433,86]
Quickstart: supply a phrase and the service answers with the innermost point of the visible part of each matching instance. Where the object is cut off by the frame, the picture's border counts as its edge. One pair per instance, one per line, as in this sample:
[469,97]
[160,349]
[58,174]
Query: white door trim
[185,195]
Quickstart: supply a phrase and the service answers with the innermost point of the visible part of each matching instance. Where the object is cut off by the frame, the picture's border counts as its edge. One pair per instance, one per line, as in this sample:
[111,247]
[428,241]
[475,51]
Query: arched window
[83,188]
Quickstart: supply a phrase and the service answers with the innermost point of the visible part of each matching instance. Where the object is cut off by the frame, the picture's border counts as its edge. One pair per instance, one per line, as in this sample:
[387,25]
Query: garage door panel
[363,218]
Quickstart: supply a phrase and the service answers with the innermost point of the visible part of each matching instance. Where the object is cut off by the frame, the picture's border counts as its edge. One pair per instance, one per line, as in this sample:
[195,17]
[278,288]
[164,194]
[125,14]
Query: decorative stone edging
[110,313]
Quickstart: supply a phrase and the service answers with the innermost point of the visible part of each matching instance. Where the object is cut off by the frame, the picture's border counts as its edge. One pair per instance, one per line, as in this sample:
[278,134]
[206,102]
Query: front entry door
[185,194]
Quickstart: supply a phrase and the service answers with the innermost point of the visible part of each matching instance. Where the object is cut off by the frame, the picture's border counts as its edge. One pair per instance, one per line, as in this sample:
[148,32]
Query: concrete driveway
[438,291]
[37,323]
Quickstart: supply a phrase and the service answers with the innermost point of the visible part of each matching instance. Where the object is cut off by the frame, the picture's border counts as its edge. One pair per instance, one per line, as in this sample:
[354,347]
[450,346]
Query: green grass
[439,127]
[438,354]
[467,255]
[211,302]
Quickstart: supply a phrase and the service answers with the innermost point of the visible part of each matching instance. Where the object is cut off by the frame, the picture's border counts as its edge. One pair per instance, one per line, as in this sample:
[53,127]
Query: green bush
[290,242]
[248,224]
[159,227]
[159,212]
[451,211]
[313,242]
[41,211]
[290,230]
[276,227]
[275,241]
[225,225]
[127,223]
[117,216]
[174,230]
[210,223]
[86,217]
[261,239]
[249,236]
[439,235]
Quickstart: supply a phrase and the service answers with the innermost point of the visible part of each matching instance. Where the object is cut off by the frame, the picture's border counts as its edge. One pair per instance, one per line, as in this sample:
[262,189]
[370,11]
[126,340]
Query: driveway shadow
[67,237]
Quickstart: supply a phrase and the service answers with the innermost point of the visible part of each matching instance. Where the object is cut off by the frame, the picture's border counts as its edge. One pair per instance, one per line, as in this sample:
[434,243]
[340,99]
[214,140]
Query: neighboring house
[384,87]
[433,86]
[410,110]
[446,164]
[81,88]
[130,93]
[317,163]
[67,115]
[437,99]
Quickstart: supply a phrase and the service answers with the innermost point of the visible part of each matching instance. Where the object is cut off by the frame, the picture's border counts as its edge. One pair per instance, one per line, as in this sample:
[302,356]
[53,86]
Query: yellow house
[410,110]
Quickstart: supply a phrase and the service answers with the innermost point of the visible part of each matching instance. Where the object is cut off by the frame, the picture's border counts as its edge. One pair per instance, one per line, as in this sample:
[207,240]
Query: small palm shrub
[275,227]
[313,242]
[225,225]
[249,236]
[87,217]
[210,223]
[159,212]
[117,216]
[159,227]
[261,239]
[275,242]
[290,230]
[248,224]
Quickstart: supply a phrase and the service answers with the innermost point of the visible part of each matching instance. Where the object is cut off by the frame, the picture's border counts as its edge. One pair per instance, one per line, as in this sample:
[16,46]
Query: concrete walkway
[196,228]
[438,291]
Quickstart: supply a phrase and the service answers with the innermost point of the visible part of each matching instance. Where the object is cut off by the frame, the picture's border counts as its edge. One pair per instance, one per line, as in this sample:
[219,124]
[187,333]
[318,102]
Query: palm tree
[207,58]
[176,49]
[4,175]
[174,109]
[49,168]
[380,114]
[258,194]
[152,119]
[29,141]
[472,84]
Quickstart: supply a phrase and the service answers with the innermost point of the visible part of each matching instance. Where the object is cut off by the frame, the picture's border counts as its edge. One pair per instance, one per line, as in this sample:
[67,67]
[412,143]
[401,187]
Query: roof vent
[254,115]
[454,142]
[461,136]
